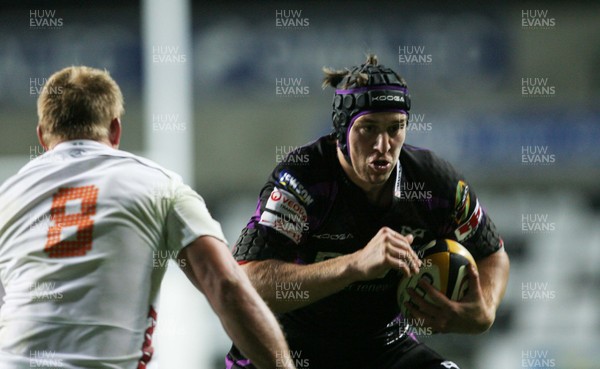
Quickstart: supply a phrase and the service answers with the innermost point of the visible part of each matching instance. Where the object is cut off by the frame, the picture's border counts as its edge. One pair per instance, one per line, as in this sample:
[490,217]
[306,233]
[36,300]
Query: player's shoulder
[425,165]
[308,171]
[147,164]
[69,153]
[312,160]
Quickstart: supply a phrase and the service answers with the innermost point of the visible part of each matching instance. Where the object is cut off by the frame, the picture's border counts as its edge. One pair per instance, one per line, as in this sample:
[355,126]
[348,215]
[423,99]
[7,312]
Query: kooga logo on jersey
[334,236]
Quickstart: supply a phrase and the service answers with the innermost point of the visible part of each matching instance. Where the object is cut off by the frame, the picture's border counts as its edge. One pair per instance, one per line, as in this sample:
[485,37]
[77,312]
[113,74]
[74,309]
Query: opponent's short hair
[78,102]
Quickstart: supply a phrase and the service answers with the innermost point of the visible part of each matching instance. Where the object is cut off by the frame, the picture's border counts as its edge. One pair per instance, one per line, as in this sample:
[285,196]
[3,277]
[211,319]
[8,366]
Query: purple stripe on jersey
[327,189]
[229,363]
[255,218]
[298,260]
[413,336]
[257,211]
[370,88]
[437,202]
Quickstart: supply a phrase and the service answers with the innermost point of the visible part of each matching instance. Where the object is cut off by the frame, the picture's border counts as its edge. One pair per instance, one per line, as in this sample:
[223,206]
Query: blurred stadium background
[508,93]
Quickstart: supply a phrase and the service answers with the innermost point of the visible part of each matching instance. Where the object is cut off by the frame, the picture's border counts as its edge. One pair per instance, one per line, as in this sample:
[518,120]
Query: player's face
[374,142]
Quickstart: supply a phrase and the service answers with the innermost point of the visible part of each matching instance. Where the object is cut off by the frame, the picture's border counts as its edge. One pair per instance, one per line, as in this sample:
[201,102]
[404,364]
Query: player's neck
[104,141]
[379,195]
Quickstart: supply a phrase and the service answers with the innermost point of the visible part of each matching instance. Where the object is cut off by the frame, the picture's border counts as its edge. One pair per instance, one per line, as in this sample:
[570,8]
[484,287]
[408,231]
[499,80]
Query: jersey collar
[397,185]
[78,143]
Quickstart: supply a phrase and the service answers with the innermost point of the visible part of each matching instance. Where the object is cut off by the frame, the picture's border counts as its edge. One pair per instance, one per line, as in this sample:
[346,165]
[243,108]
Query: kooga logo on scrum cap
[388,98]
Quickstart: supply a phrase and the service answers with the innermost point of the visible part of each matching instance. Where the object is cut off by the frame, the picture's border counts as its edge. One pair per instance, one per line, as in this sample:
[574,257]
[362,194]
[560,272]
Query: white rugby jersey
[86,232]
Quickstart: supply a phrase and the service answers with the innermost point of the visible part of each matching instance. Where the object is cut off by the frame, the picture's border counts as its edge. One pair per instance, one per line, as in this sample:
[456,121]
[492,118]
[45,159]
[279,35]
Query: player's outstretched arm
[386,250]
[245,317]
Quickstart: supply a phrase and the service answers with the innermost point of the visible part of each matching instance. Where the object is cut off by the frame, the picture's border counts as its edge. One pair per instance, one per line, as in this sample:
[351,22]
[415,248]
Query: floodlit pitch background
[219,91]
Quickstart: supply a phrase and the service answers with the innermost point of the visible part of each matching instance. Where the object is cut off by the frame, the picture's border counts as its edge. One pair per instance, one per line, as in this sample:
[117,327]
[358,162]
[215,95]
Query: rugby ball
[445,264]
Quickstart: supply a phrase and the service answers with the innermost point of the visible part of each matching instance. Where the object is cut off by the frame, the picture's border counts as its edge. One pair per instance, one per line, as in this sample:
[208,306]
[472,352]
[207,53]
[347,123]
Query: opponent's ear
[114,135]
[40,136]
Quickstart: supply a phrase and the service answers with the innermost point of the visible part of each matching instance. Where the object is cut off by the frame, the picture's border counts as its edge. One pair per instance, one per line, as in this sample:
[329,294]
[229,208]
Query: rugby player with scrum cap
[333,233]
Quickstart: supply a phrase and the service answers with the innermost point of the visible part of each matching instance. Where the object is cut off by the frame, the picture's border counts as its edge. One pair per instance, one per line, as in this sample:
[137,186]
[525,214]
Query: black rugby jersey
[309,211]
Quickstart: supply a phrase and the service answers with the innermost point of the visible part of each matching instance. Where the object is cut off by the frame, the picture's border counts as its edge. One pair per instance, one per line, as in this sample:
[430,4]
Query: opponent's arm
[247,320]
[387,250]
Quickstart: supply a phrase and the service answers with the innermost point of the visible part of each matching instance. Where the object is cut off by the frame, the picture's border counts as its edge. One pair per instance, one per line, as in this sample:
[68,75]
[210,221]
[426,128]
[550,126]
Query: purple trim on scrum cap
[365,112]
[370,88]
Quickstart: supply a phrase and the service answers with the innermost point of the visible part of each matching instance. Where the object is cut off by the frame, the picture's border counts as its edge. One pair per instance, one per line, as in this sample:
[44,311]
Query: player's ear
[40,136]
[114,134]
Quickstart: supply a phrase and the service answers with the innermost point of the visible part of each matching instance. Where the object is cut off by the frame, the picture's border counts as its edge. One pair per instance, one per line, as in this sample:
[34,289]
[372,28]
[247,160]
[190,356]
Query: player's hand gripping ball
[445,264]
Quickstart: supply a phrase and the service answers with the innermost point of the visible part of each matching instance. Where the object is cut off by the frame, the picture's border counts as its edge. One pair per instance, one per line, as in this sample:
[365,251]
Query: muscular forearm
[247,319]
[287,286]
[493,273]
[244,315]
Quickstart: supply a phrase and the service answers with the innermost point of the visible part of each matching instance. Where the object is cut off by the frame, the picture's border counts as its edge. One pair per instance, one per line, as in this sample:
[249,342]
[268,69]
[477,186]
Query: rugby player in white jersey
[82,230]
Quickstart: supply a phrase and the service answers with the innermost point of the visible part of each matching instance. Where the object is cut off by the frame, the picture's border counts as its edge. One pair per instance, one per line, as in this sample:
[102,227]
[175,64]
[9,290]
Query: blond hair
[78,102]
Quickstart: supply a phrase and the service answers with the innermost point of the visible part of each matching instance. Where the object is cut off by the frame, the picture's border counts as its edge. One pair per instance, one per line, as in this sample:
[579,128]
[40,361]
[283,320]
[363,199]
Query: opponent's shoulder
[145,165]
